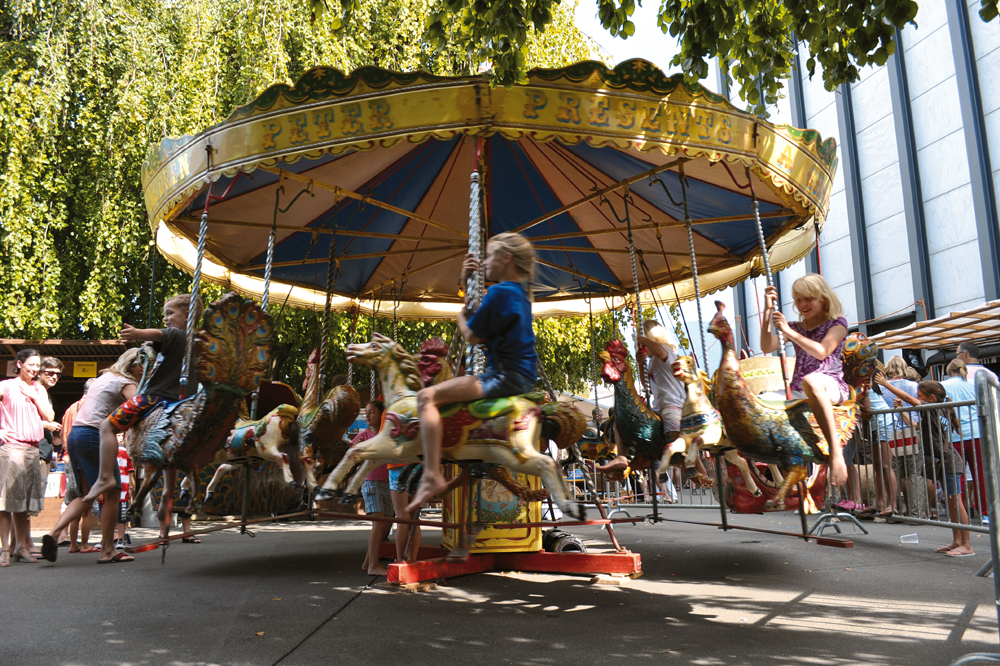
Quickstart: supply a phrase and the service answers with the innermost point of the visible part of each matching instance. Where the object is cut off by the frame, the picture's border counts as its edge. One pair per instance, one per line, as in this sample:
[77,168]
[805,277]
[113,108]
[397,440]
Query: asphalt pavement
[295,594]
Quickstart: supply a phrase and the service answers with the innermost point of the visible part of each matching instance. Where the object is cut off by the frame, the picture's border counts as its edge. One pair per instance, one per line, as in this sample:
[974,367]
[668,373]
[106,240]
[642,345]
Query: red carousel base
[438,566]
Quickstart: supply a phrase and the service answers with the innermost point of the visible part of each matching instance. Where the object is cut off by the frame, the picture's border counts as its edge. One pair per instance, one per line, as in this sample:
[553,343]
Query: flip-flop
[116,558]
[943,549]
[65,542]
[49,548]
[954,554]
[190,539]
[88,549]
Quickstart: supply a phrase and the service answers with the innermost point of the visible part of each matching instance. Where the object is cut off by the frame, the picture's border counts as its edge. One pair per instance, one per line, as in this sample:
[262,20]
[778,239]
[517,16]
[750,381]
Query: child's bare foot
[617,464]
[101,486]
[378,570]
[430,487]
[838,471]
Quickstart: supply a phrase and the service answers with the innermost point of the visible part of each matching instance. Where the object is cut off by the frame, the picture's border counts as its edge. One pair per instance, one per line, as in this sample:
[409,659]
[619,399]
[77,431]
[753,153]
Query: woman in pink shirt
[23,408]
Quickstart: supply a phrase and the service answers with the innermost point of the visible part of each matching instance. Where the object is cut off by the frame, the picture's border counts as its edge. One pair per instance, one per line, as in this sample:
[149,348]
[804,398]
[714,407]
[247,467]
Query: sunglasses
[51,373]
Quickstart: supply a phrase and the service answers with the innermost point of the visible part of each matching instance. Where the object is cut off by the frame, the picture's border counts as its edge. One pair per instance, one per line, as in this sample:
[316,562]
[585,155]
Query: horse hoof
[349,498]
[325,495]
[208,497]
[758,493]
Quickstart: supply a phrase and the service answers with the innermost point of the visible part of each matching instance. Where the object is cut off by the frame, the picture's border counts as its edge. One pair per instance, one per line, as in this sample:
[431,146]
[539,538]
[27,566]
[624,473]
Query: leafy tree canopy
[87,87]
[759,37]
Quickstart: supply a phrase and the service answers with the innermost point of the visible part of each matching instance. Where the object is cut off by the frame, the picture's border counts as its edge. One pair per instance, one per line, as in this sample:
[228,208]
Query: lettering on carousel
[177,171]
[650,118]
[301,128]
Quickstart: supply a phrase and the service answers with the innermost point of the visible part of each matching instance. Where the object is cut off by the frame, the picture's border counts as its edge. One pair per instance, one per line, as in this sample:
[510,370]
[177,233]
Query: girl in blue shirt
[503,322]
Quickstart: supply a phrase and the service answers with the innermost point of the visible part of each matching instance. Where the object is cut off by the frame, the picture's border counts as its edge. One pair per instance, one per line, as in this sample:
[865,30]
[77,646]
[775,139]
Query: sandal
[116,558]
[24,555]
[190,539]
[87,549]
[49,548]
[4,558]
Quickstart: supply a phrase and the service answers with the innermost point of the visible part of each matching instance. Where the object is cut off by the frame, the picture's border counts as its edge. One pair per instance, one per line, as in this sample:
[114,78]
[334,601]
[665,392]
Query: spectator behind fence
[968,353]
[960,388]
[23,408]
[907,455]
[942,457]
[886,488]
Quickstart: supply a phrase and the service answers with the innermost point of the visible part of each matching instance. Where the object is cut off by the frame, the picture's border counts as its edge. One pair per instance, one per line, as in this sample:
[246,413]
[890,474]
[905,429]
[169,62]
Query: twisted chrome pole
[694,271]
[770,283]
[331,280]
[354,328]
[474,286]
[640,363]
[193,302]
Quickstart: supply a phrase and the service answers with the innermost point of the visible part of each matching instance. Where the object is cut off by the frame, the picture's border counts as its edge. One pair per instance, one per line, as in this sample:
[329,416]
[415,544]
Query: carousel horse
[702,430]
[290,433]
[323,424]
[503,431]
[639,430]
[230,354]
[785,432]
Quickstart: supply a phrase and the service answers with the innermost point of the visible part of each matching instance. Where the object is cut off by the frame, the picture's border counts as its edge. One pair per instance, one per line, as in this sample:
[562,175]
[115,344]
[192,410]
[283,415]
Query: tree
[760,37]
[87,87]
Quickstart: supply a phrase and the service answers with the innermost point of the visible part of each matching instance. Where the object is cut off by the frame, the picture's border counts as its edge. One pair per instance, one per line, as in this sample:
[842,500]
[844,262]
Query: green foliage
[563,347]
[988,11]
[759,36]
[87,87]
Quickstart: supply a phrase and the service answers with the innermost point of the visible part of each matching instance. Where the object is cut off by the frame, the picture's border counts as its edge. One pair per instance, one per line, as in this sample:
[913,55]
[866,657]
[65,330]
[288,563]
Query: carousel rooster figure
[785,433]
[638,430]
[231,352]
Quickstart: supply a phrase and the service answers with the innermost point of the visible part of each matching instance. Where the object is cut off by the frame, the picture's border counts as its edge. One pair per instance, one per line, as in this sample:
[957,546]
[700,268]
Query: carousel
[363,193]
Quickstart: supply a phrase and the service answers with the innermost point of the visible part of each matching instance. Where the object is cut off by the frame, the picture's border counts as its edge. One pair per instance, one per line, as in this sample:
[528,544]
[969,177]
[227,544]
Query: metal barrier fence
[913,461]
[988,401]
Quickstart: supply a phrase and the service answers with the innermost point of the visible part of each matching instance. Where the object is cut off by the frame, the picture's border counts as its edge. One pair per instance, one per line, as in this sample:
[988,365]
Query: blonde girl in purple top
[818,338]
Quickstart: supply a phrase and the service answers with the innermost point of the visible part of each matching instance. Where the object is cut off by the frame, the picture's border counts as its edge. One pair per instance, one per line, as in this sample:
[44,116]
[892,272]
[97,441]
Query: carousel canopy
[380,163]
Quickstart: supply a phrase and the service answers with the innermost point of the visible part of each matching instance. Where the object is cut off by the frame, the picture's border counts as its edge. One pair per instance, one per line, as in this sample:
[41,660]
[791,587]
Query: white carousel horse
[503,431]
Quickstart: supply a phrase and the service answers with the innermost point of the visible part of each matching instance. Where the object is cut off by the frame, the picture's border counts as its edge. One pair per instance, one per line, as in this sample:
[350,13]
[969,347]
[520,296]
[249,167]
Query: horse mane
[408,367]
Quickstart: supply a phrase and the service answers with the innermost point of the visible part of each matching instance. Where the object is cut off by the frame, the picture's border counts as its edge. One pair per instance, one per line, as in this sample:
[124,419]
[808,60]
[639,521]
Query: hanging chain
[694,271]
[374,378]
[770,282]
[639,362]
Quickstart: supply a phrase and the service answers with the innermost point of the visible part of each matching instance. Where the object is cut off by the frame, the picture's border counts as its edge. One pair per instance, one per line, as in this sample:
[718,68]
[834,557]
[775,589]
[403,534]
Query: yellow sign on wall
[84,368]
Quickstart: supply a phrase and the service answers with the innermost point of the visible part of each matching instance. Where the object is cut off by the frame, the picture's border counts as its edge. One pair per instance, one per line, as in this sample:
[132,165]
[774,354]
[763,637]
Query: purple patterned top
[805,364]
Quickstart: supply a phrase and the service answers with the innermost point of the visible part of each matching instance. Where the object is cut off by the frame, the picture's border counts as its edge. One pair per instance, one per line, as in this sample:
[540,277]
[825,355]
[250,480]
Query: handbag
[903,442]
[45,448]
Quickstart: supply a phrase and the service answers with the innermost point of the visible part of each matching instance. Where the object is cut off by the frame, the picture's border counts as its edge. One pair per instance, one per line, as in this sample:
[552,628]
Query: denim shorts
[952,485]
[394,482]
[501,382]
[84,446]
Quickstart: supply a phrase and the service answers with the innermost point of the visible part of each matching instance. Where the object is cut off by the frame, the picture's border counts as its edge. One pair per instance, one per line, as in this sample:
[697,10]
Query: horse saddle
[491,408]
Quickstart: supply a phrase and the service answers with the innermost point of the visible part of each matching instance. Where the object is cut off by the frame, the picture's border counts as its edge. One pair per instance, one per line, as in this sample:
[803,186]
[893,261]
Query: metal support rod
[354,328]
[694,271]
[152,277]
[719,462]
[770,283]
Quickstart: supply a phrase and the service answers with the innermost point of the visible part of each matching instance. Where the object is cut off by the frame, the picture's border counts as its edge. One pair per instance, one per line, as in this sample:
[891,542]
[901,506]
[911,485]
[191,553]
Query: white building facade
[913,230]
